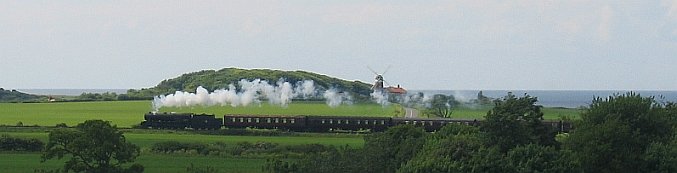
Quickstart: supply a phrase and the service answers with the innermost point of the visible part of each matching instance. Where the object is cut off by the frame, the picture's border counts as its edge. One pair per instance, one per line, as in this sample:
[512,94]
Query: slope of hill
[16,96]
[212,80]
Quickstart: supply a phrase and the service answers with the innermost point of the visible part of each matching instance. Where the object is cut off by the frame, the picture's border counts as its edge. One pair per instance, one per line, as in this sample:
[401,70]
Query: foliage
[516,121]
[94,146]
[8,143]
[441,105]
[449,150]
[174,146]
[387,151]
[335,160]
[537,158]
[107,96]
[660,157]
[16,96]
[614,134]
[212,80]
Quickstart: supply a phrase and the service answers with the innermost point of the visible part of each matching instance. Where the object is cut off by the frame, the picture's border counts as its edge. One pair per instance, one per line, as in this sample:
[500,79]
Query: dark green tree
[93,147]
[614,133]
[537,158]
[516,121]
[387,151]
[448,150]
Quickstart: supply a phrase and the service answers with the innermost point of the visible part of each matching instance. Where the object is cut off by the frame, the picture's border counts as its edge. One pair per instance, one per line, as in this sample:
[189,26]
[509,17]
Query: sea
[547,98]
[70,92]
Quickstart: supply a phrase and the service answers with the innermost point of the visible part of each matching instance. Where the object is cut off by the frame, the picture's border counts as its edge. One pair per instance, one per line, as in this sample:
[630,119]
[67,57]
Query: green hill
[16,96]
[212,80]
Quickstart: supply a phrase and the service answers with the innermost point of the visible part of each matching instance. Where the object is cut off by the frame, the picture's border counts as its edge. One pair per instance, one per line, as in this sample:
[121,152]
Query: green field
[146,140]
[153,162]
[128,113]
[480,112]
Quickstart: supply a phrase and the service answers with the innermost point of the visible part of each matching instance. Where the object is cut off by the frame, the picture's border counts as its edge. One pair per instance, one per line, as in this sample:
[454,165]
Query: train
[306,123]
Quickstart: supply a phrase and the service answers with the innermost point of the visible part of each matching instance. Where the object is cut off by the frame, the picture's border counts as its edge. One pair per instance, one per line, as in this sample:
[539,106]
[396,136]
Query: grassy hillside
[217,79]
[16,96]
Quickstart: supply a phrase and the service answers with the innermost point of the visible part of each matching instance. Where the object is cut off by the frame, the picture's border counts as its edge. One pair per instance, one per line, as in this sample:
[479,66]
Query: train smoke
[250,92]
[380,98]
[335,98]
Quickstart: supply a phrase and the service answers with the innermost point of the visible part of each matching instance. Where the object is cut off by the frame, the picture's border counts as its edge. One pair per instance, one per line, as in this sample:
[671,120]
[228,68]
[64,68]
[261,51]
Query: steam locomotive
[303,123]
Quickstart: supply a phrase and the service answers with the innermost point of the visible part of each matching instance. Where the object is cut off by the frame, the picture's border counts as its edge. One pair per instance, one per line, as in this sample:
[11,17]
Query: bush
[174,146]
[189,148]
[8,143]
[62,125]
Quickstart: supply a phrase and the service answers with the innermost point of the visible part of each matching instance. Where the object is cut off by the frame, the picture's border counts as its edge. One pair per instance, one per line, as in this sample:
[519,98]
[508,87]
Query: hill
[16,96]
[213,79]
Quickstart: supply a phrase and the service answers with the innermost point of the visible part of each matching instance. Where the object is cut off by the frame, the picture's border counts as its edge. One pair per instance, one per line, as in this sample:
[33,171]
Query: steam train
[305,123]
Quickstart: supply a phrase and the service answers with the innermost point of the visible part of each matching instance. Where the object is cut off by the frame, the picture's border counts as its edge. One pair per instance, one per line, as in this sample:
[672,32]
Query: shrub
[8,143]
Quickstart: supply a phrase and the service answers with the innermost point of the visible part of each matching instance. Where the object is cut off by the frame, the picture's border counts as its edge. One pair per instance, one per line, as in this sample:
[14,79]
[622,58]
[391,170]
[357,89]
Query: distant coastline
[69,92]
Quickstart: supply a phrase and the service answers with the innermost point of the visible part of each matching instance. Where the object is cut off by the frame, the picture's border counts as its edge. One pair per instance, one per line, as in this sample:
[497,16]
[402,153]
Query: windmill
[378,84]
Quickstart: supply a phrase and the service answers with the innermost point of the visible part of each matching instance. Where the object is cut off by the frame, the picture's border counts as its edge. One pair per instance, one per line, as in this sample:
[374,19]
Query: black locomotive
[305,123]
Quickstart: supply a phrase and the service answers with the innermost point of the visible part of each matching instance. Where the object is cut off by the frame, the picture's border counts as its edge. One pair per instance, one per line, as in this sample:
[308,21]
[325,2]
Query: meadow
[155,162]
[128,113]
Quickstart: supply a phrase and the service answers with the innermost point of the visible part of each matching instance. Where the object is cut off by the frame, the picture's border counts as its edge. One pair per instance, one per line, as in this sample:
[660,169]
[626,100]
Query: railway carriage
[355,123]
[432,124]
[265,122]
[307,123]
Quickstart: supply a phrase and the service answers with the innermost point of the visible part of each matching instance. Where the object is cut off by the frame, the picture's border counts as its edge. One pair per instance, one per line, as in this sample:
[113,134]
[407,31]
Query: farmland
[128,113]
[157,162]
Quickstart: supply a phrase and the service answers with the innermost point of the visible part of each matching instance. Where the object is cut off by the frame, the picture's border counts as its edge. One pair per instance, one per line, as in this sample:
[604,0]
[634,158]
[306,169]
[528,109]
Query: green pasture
[153,163]
[145,140]
[128,113]
[26,162]
[480,112]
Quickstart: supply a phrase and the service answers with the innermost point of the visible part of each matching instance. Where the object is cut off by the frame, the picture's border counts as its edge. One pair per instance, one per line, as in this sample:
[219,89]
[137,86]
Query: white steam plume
[250,92]
[335,98]
[380,98]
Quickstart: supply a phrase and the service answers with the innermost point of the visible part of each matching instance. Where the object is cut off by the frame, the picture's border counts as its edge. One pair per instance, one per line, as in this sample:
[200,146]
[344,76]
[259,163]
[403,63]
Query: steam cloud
[281,93]
[335,98]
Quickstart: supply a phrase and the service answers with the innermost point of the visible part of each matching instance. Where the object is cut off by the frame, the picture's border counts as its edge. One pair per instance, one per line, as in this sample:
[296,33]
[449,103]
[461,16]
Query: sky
[442,45]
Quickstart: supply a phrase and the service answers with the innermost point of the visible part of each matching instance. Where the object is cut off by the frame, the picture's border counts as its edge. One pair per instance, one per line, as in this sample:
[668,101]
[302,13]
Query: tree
[537,158]
[448,150]
[441,105]
[516,121]
[615,134]
[94,147]
[387,151]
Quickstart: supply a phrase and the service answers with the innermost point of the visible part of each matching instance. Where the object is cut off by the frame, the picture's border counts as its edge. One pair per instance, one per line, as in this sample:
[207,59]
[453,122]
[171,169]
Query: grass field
[548,113]
[128,113]
[146,140]
[153,163]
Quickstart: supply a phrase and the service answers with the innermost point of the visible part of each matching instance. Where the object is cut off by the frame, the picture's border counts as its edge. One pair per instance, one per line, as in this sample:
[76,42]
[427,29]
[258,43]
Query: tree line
[621,133]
